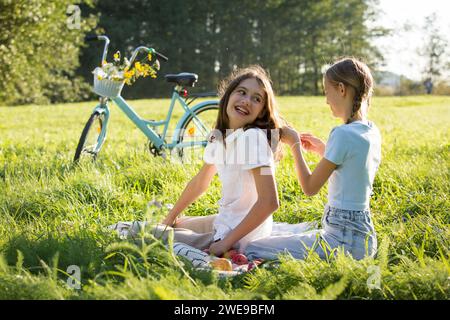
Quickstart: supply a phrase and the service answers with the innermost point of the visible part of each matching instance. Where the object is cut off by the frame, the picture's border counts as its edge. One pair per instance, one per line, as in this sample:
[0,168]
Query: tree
[292,39]
[39,51]
[434,50]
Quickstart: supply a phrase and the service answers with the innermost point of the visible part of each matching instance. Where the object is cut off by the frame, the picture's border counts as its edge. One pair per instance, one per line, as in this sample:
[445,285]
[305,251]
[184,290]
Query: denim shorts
[353,231]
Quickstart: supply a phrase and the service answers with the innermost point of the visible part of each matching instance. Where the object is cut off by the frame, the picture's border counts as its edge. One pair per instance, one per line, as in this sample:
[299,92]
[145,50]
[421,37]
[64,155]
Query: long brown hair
[270,118]
[355,74]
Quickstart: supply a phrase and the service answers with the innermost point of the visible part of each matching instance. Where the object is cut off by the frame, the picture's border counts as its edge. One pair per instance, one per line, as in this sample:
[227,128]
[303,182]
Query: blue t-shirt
[356,150]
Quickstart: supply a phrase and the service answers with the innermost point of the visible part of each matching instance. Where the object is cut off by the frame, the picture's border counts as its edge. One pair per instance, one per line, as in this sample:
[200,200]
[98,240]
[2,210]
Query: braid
[357,101]
[360,90]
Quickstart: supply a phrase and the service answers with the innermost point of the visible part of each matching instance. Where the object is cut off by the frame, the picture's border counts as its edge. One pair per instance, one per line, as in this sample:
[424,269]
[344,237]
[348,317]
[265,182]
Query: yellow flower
[117,55]
[128,74]
[146,70]
[149,57]
[104,62]
[139,67]
[99,77]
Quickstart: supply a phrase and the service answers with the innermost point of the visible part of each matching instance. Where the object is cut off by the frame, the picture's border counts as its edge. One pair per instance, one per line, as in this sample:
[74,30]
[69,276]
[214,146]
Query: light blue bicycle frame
[146,126]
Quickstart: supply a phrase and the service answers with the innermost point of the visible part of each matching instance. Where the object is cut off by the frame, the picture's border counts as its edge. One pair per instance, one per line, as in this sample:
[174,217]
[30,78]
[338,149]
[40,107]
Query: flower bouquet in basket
[111,76]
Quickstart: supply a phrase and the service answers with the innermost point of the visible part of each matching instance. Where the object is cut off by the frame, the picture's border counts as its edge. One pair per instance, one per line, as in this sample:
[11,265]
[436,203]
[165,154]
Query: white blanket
[130,229]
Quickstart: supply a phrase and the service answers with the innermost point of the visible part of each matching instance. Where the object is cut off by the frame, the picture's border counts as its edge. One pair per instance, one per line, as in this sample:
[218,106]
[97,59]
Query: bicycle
[199,118]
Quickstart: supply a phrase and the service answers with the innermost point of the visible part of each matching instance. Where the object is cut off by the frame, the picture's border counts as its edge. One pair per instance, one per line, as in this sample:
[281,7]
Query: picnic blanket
[203,261]
[126,229]
[229,264]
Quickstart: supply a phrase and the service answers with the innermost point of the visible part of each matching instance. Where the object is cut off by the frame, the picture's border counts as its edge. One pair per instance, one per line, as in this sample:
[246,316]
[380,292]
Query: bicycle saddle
[184,79]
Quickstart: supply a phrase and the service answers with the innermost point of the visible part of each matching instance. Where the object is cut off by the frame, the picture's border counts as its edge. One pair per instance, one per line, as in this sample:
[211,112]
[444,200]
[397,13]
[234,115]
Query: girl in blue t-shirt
[349,161]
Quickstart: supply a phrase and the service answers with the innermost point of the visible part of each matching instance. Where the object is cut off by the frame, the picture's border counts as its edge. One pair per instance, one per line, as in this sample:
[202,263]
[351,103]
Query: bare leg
[199,224]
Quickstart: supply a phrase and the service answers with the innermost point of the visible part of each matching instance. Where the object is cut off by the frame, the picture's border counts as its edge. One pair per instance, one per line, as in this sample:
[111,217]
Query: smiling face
[245,103]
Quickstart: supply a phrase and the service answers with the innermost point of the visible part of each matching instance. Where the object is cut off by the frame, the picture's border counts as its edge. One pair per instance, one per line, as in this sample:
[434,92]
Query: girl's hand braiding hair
[289,136]
[312,143]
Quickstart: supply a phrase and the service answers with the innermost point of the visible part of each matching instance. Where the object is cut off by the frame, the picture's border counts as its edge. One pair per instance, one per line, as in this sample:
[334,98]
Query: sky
[400,49]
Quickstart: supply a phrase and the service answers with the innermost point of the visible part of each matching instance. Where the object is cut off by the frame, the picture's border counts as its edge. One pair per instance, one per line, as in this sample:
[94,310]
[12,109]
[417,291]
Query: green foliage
[292,39]
[43,60]
[54,214]
[39,52]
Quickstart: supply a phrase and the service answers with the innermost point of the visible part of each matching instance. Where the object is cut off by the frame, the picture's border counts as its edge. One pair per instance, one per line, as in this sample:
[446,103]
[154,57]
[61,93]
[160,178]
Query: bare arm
[310,182]
[194,189]
[312,144]
[266,204]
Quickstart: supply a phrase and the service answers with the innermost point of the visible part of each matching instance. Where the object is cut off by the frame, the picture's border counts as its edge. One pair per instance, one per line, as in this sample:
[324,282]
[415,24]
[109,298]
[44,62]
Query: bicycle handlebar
[91,38]
[105,48]
[149,50]
[135,52]
[161,56]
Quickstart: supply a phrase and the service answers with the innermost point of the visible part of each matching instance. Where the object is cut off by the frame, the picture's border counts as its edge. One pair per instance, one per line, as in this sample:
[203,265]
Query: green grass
[54,214]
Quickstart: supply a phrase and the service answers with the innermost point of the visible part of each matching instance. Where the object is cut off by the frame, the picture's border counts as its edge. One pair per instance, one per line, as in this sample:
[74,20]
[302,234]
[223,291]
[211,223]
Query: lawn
[54,215]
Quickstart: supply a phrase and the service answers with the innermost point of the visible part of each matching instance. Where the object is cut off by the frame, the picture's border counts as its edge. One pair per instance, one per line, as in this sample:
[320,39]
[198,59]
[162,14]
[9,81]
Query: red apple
[230,254]
[239,259]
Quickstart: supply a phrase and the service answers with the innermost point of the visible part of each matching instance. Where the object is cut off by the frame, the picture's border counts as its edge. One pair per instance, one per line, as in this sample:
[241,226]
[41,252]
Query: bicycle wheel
[195,130]
[90,137]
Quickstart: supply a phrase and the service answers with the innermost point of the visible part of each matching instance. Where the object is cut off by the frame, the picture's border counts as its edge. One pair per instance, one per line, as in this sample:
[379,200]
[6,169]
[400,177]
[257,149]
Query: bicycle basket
[105,87]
